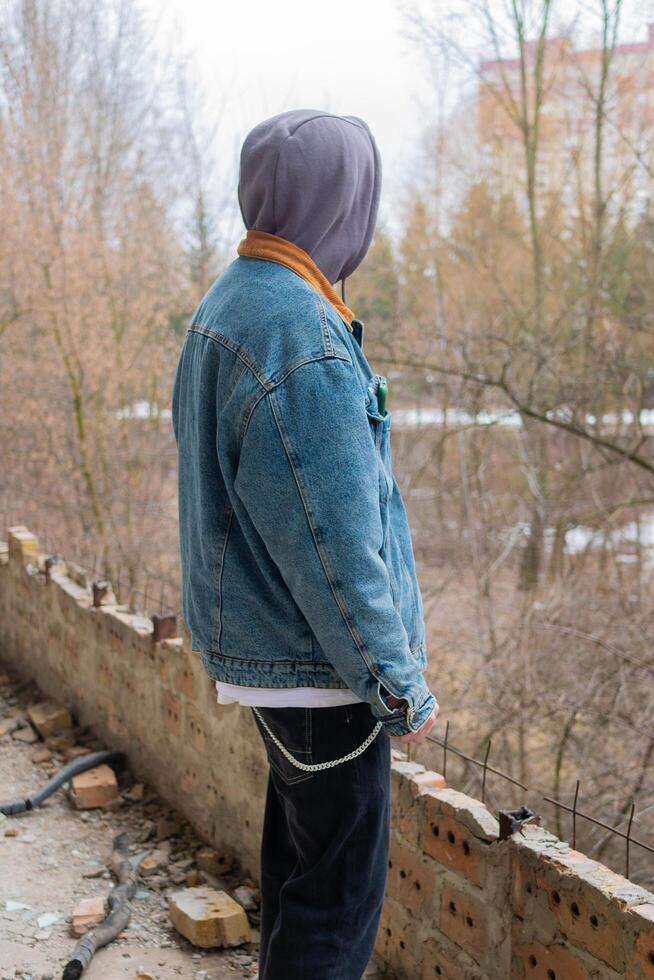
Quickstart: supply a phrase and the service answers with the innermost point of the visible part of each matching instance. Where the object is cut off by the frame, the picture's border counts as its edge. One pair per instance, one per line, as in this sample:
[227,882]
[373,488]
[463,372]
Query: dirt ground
[55,855]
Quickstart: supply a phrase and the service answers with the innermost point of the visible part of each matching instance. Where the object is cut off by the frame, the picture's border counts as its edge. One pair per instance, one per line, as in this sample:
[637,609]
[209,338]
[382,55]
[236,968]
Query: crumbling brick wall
[461,904]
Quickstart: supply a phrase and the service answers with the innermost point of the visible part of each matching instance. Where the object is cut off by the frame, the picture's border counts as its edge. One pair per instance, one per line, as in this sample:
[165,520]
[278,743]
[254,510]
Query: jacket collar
[263,245]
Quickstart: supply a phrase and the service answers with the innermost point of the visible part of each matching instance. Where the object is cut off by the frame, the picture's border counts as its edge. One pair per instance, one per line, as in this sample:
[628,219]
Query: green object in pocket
[382,394]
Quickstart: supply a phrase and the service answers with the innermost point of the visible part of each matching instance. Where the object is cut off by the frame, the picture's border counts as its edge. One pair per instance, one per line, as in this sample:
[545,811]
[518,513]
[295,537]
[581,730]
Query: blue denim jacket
[296,555]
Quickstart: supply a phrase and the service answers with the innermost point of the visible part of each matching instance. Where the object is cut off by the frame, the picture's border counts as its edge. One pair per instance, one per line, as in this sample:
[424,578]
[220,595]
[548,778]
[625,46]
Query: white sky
[261,57]
[256,58]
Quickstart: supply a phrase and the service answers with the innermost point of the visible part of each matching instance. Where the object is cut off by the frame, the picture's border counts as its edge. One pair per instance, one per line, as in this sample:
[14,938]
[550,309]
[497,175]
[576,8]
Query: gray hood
[313,178]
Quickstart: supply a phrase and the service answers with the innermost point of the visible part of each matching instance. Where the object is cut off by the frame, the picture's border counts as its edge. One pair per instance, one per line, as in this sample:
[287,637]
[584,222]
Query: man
[298,578]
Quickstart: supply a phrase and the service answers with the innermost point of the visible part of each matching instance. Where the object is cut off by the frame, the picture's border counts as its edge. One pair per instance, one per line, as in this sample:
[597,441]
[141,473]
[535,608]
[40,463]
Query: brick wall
[461,904]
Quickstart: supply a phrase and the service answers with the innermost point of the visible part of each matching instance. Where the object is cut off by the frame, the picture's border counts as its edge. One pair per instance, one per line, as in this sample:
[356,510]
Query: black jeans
[325,843]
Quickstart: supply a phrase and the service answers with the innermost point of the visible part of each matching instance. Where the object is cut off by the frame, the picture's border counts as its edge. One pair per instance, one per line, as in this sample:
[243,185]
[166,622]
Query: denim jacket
[296,555]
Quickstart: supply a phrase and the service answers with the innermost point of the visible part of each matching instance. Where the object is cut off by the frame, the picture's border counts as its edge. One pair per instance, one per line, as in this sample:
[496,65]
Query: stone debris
[18,719]
[207,917]
[173,850]
[95,872]
[87,914]
[247,897]
[48,919]
[49,718]
[167,827]
[26,735]
[60,742]
[95,787]
[155,861]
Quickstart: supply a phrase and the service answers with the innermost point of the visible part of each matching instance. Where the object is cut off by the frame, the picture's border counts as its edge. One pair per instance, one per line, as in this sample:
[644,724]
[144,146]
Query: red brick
[523,885]
[105,676]
[404,952]
[87,914]
[94,788]
[449,843]
[185,682]
[644,948]
[437,966]
[462,920]
[595,928]
[538,962]
[410,877]
[397,943]
[385,930]
[195,727]
[409,783]
[172,710]
[189,780]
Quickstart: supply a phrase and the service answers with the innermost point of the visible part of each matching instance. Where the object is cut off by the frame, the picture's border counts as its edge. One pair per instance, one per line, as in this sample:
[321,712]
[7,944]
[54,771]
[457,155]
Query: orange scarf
[263,245]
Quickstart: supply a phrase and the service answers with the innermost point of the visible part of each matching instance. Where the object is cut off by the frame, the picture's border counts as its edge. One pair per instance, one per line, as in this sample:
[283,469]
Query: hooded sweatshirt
[314,179]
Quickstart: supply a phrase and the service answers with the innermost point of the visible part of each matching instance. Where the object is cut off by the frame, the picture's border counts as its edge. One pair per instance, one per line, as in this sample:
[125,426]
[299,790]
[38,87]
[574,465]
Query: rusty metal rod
[600,823]
[476,762]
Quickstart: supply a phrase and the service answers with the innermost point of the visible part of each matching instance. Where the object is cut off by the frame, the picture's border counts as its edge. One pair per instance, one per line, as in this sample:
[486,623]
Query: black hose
[119,914]
[114,759]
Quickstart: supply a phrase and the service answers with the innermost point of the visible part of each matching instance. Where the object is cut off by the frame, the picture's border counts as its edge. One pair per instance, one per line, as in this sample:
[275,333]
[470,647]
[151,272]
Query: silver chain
[321,765]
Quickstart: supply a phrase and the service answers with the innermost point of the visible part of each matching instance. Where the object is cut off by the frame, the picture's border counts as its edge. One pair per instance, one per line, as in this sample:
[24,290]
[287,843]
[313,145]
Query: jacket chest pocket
[380,426]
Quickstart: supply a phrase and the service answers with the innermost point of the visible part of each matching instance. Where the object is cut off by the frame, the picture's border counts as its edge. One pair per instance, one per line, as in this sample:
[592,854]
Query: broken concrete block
[49,718]
[212,861]
[207,917]
[94,788]
[87,914]
[41,755]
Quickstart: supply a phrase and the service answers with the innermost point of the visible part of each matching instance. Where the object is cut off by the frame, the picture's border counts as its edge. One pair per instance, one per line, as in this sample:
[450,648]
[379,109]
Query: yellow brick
[49,718]
[22,544]
[207,917]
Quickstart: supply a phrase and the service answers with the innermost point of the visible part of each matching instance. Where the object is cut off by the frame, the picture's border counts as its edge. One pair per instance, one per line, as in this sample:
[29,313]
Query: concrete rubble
[58,880]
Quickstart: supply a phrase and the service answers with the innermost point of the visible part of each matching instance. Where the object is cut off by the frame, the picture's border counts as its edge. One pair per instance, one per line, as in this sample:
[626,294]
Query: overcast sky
[261,57]
[256,58]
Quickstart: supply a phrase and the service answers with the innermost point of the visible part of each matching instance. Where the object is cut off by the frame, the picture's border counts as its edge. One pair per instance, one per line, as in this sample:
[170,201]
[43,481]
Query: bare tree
[100,167]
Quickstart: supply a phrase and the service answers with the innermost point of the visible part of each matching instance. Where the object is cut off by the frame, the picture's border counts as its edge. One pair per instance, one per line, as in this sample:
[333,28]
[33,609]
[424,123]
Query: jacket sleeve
[308,475]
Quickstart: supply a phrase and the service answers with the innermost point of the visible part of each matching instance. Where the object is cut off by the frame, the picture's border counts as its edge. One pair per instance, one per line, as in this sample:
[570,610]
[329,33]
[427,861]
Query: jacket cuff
[402,721]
